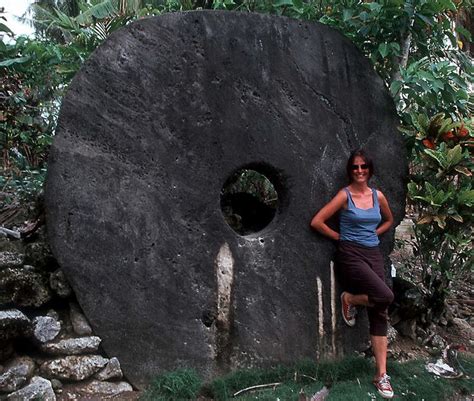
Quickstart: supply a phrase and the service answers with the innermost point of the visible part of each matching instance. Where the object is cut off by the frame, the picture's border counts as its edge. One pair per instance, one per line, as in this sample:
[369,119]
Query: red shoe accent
[383,386]
[348,312]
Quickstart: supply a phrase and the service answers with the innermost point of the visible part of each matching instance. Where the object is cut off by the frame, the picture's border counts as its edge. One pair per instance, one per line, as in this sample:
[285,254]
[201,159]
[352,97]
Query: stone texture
[407,328]
[79,322]
[38,389]
[39,254]
[73,367]
[46,328]
[59,284]
[23,287]
[111,371]
[463,326]
[391,334]
[13,323]
[101,388]
[216,92]
[6,349]
[16,374]
[72,346]
[11,259]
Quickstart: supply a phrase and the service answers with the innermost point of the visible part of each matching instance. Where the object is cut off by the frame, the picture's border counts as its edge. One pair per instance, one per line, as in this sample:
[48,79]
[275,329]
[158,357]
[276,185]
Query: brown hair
[361,153]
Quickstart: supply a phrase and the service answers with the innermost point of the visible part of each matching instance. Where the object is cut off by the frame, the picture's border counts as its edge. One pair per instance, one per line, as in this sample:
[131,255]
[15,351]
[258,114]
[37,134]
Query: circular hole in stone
[248,201]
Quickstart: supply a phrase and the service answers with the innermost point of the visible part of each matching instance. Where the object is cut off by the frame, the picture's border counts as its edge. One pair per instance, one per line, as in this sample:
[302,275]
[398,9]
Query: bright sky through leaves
[14,9]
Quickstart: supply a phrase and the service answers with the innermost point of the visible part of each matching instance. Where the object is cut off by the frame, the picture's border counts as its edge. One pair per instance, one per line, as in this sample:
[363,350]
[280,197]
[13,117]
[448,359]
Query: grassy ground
[348,379]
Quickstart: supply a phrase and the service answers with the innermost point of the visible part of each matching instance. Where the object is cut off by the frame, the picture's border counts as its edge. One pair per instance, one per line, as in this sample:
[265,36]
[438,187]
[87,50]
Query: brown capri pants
[360,270]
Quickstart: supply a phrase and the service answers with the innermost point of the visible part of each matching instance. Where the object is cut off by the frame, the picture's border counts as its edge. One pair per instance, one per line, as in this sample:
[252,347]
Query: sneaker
[383,386]
[348,312]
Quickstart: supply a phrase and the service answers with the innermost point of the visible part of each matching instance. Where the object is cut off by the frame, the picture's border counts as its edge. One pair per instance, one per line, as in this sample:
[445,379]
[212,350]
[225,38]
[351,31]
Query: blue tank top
[359,225]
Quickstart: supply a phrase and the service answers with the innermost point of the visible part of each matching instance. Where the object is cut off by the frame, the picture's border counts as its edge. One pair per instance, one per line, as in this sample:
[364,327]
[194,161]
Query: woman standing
[364,215]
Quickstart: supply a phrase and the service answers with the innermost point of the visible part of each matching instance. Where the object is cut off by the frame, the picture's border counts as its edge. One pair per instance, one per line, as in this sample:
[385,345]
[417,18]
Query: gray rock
[437,341]
[463,326]
[11,260]
[46,328]
[74,368]
[111,371]
[157,261]
[16,374]
[52,313]
[56,384]
[79,322]
[407,328]
[38,389]
[72,346]
[391,334]
[409,301]
[39,254]
[23,287]
[59,284]
[96,387]
[13,323]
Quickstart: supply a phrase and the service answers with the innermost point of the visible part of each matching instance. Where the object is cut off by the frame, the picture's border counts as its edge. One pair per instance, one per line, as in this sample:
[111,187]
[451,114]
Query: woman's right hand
[333,206]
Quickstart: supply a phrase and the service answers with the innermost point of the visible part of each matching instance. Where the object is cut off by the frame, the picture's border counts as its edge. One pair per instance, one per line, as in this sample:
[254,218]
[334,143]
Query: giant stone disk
[152,126]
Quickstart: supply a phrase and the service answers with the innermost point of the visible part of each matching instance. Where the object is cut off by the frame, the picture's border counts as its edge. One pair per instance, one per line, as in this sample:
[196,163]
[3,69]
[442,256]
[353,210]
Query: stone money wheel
[160,120]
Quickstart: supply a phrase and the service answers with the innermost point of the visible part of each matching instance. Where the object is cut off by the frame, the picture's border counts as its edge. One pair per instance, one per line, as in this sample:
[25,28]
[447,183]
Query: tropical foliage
[419,47]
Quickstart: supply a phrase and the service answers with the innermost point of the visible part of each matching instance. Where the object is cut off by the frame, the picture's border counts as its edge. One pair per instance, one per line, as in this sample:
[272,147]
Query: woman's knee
[389,296]
[383,298]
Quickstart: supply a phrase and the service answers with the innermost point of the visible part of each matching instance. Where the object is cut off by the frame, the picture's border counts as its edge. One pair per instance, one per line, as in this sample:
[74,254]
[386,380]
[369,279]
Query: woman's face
[358,172]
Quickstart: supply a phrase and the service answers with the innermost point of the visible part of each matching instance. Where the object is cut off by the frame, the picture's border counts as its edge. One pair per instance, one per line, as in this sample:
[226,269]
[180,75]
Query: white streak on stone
[225,279]
[333,308]
[320,309]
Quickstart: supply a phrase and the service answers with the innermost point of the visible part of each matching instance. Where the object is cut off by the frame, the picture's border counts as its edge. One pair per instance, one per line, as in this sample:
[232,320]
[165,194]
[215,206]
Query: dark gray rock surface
[16,374]
[11,259]
[13,324]
[72,346]
[79,322]
[38,389]
[59,284]
[74,368]
[159,117]
[23,286]
[111,371]
[45,328]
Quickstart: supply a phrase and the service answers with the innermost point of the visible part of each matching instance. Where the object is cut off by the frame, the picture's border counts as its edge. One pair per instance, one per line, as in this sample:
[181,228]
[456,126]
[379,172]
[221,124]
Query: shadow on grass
[348,380]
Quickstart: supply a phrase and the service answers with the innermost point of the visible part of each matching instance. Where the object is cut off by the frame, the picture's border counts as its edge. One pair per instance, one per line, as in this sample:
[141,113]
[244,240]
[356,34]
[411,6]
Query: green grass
[348,379]
[180,385]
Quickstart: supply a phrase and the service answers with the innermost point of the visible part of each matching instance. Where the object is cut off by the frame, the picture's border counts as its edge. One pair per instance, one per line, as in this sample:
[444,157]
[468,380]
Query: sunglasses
[362,166]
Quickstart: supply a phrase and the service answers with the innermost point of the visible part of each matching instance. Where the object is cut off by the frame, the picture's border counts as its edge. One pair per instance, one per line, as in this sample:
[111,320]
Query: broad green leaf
[395,87]
[412,188]
[425,19]
[364,16]
[461,30]
[347,14]
[18,60]
[384,49]
[454,155]
[374,6]
[437,156]
[466,197]
[449,5]
[281,3]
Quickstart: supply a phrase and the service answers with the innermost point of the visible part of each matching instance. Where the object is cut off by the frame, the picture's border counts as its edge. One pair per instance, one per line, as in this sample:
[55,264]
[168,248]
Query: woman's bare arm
[387,217]
[319,220]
